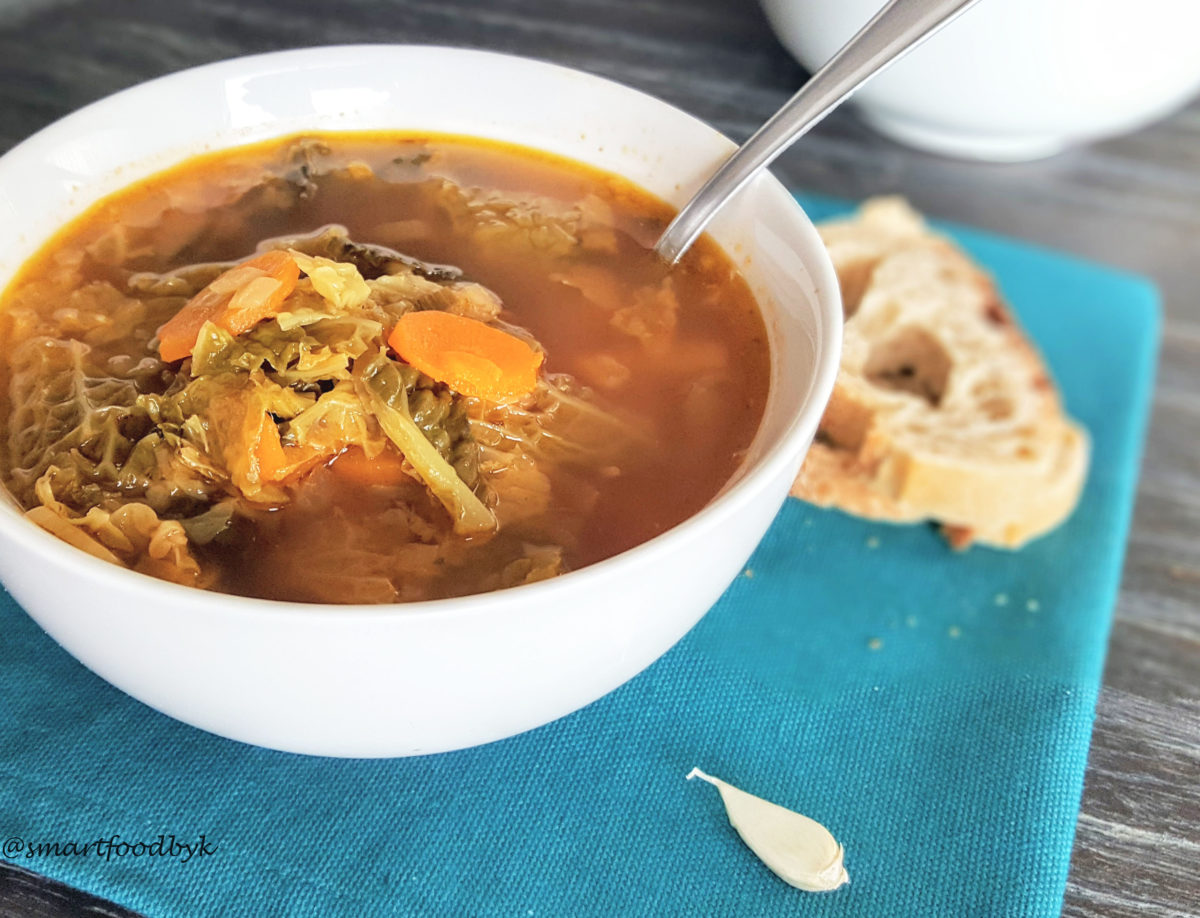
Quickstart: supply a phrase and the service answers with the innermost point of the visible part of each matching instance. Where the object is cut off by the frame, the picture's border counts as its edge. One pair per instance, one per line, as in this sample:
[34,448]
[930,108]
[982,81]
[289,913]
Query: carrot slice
[469,356]
[385,469]
[277,462]
[236,300]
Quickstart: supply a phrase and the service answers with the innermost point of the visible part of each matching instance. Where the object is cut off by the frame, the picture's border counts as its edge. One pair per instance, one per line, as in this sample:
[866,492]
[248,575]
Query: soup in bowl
[351,413]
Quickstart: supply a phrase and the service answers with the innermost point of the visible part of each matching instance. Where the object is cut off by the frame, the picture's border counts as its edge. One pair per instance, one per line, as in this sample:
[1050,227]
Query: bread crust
[943,409]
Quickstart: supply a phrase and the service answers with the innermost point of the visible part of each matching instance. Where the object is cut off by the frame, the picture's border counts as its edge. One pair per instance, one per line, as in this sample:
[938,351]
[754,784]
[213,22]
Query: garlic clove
[799,850]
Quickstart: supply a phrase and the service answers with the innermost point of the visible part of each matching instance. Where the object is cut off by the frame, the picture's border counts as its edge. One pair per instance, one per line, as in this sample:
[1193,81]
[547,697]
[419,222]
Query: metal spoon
[893,32]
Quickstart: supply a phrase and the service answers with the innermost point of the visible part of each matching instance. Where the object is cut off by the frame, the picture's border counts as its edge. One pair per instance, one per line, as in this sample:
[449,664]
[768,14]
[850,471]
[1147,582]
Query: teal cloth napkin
[932,709]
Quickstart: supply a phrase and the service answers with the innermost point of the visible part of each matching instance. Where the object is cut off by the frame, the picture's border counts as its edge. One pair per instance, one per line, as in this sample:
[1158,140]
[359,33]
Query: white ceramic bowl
[1015,79]
[433,676]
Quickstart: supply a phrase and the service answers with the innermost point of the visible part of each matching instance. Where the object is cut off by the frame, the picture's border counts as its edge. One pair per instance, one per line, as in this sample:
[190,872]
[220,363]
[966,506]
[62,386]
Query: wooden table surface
[1132,202]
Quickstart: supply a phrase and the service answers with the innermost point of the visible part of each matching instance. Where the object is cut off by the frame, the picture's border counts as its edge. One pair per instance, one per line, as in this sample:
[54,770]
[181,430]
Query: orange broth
[565,247]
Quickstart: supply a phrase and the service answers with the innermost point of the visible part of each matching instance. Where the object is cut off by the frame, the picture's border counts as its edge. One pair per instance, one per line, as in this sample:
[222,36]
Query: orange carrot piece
[276,462]
[385,469]
[269,451]
[177,338]
[236,300]
[469,356]
[262,296]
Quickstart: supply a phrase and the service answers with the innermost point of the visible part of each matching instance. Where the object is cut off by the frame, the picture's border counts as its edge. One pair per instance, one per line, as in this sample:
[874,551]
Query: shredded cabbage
[152,465]
[339,283]
[336,421]
[382,388]
[131,534]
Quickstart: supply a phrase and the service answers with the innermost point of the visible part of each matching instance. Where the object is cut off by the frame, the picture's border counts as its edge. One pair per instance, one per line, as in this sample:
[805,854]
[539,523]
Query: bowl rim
[776,459]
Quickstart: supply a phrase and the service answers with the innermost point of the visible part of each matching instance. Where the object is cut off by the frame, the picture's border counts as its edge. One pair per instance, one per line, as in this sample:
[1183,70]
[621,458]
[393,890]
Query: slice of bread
[942,409]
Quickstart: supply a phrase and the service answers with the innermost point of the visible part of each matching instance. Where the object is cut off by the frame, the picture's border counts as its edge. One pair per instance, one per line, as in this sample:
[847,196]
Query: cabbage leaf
[382,389]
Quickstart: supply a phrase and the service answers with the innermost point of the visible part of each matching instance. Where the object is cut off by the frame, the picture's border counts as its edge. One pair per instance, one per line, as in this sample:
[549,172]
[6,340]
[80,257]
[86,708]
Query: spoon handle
[894,31]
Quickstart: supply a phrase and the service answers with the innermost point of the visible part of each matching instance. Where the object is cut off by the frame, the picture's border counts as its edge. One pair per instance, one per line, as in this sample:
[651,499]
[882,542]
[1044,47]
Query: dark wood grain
[1132,202]
[24,894]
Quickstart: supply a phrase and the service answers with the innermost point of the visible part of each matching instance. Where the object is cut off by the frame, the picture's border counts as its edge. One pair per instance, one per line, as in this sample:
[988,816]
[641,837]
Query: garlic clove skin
[798,850]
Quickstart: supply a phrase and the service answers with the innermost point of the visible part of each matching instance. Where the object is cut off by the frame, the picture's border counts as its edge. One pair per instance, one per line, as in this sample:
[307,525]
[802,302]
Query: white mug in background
[1015,80]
